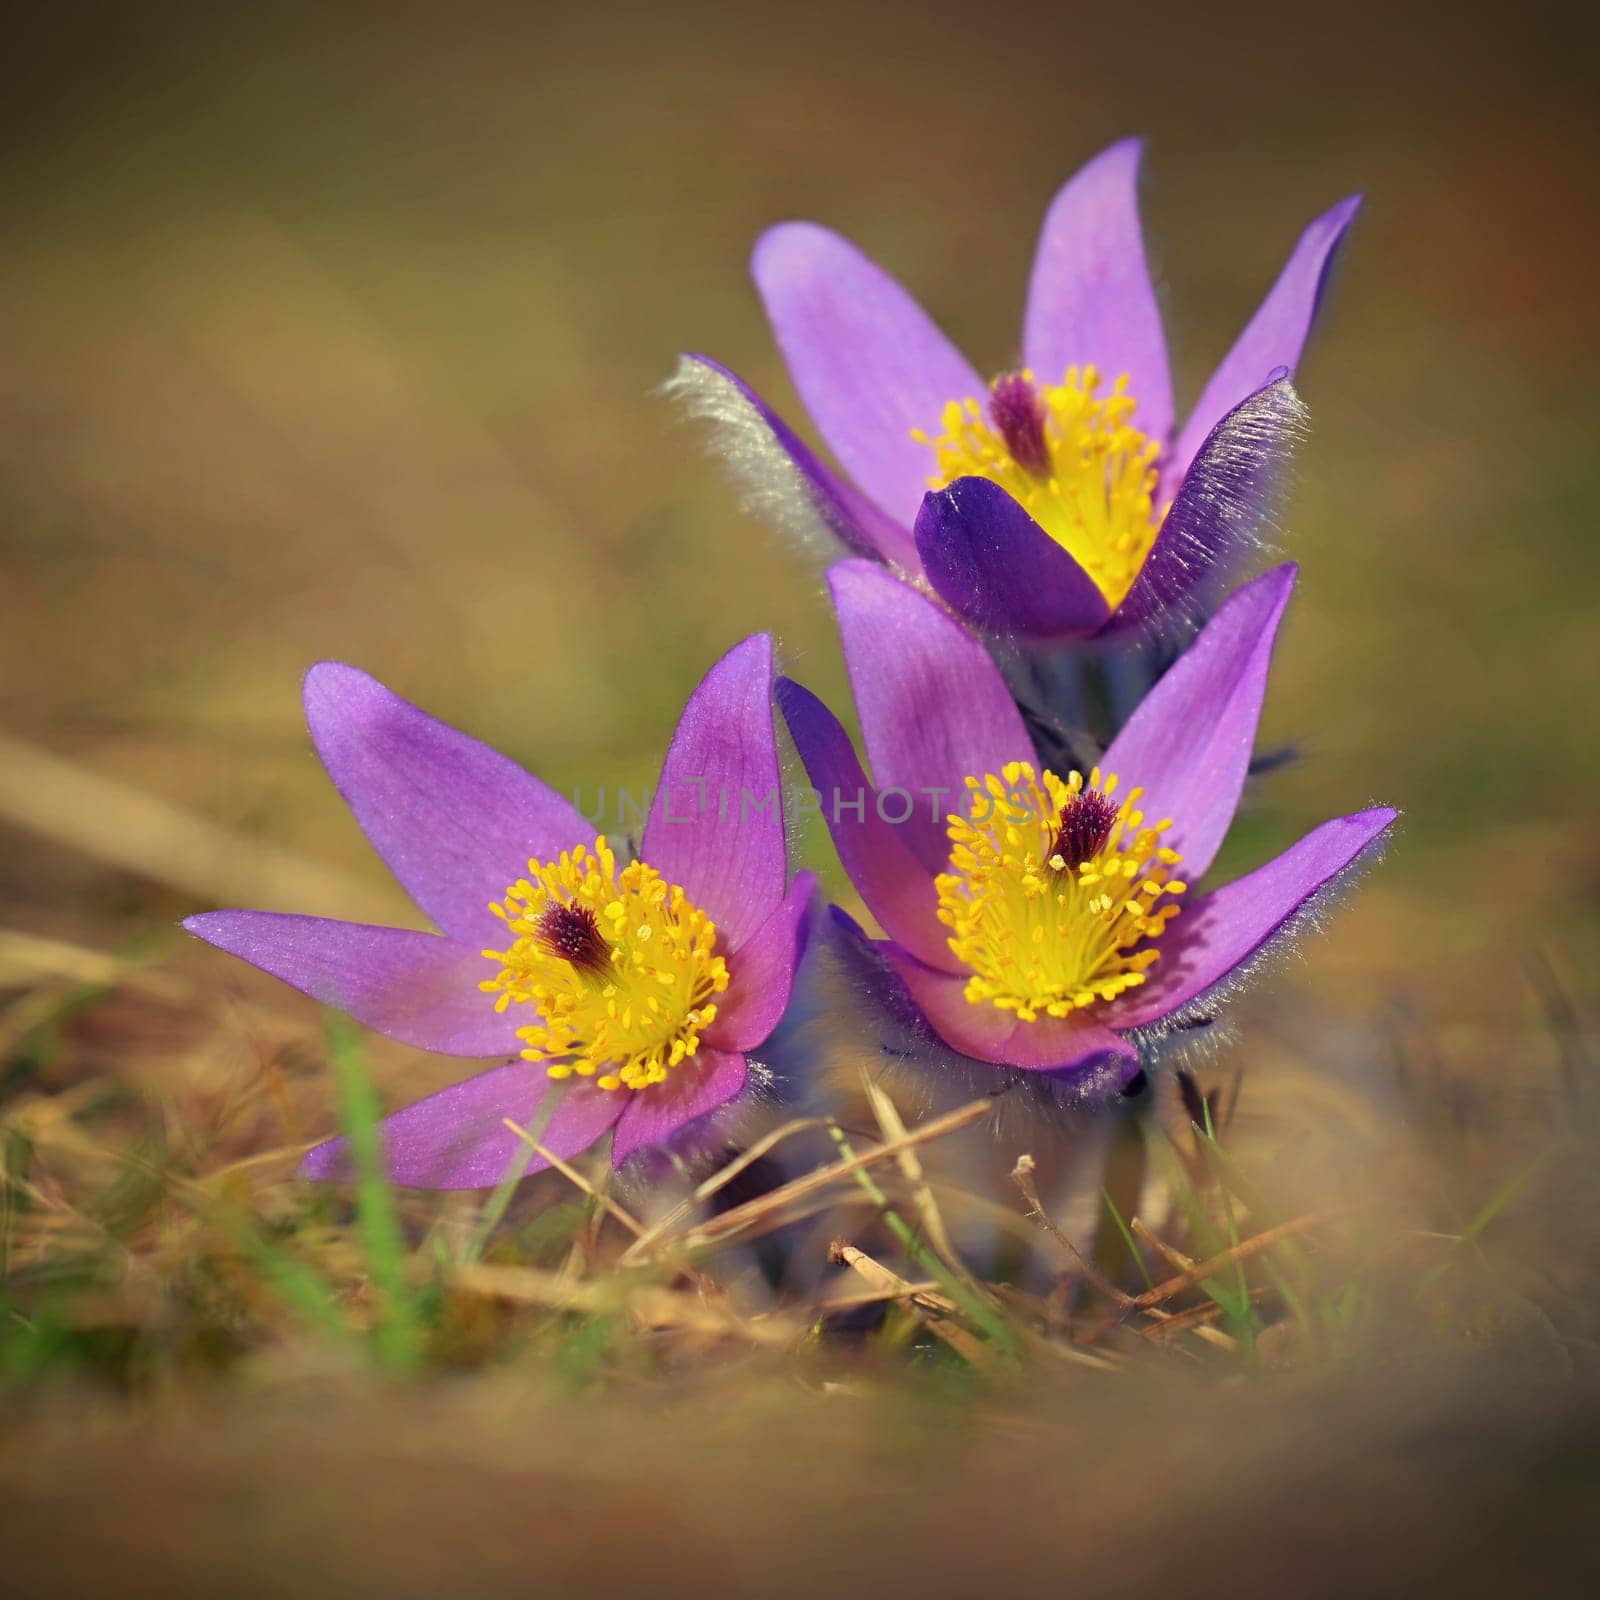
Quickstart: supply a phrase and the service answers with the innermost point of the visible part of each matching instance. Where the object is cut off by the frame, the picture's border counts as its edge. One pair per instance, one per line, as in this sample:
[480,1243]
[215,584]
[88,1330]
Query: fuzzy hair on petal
[1226,510]
[772,487]
[704,1143]
[1194,1028]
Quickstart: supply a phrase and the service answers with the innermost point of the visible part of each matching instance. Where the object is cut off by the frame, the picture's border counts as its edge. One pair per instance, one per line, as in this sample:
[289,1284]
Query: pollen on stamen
[620,970]
[1036,937]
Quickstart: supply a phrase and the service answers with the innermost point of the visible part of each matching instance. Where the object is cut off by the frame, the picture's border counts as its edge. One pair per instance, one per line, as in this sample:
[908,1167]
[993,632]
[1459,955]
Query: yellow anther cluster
[1042,934]
[629,1019]
[1097,499]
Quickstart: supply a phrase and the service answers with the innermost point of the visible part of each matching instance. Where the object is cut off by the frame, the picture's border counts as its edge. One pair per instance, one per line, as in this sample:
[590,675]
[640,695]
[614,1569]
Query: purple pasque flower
[1048,924]
[638,987]
[1062,500]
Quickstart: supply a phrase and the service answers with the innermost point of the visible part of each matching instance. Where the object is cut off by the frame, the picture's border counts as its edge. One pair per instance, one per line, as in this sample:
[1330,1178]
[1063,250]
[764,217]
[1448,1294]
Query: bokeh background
[335,331]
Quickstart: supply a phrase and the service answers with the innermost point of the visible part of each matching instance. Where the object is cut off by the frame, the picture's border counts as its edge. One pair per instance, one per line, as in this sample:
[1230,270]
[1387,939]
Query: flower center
[1070,457]
[619,966]
[1053,891]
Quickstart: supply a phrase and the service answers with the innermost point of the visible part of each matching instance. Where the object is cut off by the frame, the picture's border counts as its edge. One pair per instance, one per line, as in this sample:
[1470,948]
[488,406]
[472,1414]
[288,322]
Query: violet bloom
[641,985]
[1059,501]
[1049,925]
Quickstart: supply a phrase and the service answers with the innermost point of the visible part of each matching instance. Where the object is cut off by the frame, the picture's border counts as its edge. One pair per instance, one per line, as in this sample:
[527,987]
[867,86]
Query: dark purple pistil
[1085,826]
[572,934]
[1018,415]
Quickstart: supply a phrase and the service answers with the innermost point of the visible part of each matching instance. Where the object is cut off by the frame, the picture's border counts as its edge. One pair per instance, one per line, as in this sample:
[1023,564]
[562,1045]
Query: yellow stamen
[1079,467]
[619,965]
[1043,934]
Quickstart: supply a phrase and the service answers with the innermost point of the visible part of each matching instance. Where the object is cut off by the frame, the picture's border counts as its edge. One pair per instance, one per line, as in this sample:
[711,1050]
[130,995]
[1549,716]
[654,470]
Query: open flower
[1048,922]
[1060,500]
[637,986]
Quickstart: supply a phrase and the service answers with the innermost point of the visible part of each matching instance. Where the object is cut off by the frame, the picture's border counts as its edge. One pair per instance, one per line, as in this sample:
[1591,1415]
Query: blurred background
[334,331]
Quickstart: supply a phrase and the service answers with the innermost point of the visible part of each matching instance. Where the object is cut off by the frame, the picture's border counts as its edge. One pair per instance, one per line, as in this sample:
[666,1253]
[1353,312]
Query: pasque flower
[1062,499]
[1038,920]
[636,986]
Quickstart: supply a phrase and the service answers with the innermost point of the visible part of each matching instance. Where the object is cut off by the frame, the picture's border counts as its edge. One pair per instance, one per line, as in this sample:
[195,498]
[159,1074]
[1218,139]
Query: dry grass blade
[654,1306]
[764,1206]
[930,1310]
[1168,1324]
[29,958]
[1200,1327]
[1022,1176]
[726,1175]
[573,1176]
[928,1213]
[124,826]
[1147,1235]
[1254,1245]
[721,1177]
[1073,1356]
[855,1299]
[888,1284]
[1040,1335]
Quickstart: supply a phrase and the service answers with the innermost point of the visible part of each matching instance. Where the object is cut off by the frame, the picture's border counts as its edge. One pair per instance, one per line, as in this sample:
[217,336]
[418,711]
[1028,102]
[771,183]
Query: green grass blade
[298,1285]
[1115,1214]
[1240,1314]
[396,1333]
[495,1208]
[1485,1214]
[984,1317]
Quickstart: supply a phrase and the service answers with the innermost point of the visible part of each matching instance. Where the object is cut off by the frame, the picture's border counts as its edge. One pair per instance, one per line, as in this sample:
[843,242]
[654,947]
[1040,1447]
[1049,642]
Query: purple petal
[455,821]
[893,1027]
[933,707]
[876,854]
[865,358]
[1075,1043]
[698,1086]
[457,1139]
[761,972]
[716,826]
[1090,300]
[993,565]
[1220,510]
[1222,930]
[783,479]
[1274,336]
[1188,743]
[415,987]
